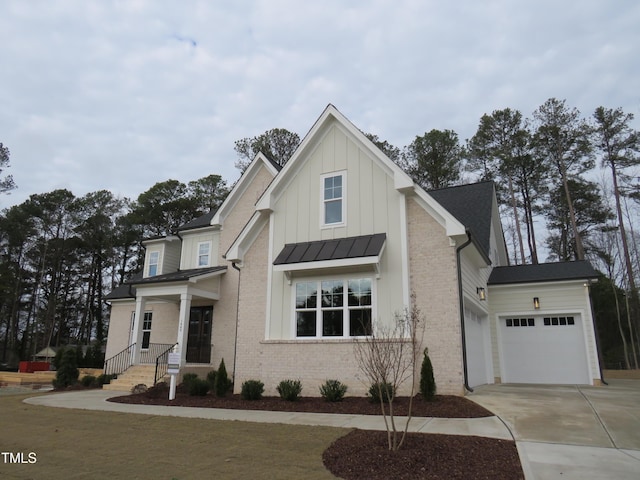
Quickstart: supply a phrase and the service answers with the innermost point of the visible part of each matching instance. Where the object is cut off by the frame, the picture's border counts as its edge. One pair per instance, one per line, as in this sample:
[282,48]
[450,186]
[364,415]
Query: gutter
[461,300]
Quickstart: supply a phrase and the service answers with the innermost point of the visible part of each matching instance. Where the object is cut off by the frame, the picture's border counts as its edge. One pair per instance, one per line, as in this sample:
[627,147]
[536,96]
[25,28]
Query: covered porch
[173,313]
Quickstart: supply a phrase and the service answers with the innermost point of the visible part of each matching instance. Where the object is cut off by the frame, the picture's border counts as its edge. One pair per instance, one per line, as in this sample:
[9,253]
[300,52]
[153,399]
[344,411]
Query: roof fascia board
[529,283]
[452,226]
[241,186]
[168,238]
[245,239]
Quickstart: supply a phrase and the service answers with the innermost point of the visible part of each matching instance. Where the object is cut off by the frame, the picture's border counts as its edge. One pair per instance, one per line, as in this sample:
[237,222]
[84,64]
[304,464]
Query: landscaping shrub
[67,373]
[211,378]
[252,390]
[386,389]
[333,390]
[187,378]
[198,387]
[289,390]
[427,382]
[89,381]
[104,379]
[222,382]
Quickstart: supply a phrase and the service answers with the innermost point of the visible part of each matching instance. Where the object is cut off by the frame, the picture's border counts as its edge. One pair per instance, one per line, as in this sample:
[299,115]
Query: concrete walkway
[97,400]
[560,432]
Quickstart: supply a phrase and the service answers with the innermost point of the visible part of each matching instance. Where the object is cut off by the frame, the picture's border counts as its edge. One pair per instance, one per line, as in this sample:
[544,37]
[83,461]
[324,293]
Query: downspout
[461,300]
[235,347]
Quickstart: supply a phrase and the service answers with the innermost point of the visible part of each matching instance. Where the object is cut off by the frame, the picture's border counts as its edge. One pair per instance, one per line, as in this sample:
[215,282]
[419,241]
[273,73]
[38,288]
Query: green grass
[79,444]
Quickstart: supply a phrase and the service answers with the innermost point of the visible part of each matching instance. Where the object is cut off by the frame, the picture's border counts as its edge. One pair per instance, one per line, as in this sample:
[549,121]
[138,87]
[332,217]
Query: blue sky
[120,95]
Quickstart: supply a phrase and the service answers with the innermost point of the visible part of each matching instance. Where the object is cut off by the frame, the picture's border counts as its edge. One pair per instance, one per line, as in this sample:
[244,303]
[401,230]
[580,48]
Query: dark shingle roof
[178,276]
[543,272]
[127,289]
[342,248]
[472,206]
[201,221]
[123,291]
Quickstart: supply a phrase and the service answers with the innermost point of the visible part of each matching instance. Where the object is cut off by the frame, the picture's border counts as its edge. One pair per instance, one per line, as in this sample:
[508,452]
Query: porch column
[183,326]
[138,319]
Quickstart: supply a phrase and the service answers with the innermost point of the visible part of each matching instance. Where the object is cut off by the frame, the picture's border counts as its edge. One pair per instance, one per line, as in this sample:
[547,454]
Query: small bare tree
[388,358]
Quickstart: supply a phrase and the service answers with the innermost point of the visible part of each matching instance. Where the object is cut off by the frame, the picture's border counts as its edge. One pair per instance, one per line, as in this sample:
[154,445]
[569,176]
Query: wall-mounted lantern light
[536,303]
[481,293]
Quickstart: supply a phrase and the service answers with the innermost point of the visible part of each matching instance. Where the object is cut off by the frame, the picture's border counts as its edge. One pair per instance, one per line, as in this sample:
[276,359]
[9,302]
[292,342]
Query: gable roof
[401,180]
[543,272]
[472,205]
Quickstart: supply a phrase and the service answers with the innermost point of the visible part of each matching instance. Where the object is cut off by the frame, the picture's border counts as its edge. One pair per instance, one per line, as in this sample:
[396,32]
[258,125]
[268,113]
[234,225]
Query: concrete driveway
[571,431]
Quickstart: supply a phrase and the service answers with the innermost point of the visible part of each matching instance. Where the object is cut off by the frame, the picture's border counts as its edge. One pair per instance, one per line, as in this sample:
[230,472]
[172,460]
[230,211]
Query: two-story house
[297,264]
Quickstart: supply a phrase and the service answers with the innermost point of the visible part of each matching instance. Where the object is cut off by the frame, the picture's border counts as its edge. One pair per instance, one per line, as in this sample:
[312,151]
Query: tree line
[567,190]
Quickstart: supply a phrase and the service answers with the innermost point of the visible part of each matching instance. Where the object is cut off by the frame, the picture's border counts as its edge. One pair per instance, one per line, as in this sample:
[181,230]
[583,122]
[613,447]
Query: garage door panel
[548,349]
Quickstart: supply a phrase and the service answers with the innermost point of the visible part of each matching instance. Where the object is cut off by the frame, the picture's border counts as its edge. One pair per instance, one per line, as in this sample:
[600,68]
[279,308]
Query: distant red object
[30,367]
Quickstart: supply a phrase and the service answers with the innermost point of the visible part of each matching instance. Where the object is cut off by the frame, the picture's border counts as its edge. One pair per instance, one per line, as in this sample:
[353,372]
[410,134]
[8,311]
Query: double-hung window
[333,308]
[204,250]
[154,259]
[333,199]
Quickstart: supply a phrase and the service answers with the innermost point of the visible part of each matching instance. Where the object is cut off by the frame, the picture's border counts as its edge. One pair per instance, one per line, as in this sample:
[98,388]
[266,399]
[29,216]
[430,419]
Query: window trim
[324,201]
[151,263]
[319,310]
[208,255]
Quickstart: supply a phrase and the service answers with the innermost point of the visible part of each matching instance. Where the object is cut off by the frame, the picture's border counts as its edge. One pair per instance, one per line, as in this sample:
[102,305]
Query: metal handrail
[162,364]
[120,361]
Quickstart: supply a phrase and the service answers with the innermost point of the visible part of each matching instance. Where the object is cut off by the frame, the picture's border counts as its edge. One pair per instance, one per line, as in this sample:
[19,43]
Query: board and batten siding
[569,297]
[373,205]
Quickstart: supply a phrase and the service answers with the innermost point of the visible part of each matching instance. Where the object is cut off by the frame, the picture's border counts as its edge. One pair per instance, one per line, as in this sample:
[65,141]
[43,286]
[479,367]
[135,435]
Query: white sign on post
[173,369]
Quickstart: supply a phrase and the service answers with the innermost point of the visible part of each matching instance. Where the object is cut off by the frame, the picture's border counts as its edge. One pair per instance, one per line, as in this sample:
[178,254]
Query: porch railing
[162,363]
[120,361]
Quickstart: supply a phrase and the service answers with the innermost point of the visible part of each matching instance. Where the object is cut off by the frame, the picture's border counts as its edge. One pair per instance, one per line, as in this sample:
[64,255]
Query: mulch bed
[364,454]
[444,406]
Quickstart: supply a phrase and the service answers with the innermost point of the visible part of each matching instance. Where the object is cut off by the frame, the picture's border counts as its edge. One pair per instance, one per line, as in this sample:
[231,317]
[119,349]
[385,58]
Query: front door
[199,339]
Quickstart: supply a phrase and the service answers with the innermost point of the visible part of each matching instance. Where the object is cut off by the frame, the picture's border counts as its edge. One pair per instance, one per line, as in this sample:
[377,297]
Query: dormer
[162,256]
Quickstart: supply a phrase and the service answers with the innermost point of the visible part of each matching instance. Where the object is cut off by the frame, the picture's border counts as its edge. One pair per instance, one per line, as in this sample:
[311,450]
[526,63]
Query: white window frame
[324,201]
[200,255]
[152,263]
[319,309]
[147,321]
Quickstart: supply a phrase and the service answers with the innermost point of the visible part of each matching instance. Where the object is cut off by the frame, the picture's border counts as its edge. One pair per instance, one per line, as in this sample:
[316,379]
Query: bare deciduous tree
[389,357]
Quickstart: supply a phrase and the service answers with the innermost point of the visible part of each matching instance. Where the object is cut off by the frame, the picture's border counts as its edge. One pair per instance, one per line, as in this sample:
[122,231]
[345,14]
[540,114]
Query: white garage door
[543,349]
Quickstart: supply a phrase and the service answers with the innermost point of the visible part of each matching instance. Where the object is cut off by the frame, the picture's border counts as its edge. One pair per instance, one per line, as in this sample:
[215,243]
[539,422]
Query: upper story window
[333,308]
[154,259]
[333,199]
[204,254]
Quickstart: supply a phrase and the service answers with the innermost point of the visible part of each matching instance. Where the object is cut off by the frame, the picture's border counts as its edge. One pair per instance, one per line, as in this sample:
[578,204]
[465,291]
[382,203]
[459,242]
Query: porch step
[133,376]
